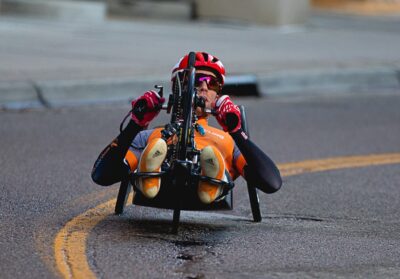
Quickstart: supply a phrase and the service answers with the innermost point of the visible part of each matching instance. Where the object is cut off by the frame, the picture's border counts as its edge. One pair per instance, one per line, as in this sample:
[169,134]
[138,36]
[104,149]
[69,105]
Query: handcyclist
[224,154]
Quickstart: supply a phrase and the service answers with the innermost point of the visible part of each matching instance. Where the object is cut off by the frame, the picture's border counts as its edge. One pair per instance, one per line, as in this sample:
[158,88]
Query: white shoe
[150,161]
[212,165]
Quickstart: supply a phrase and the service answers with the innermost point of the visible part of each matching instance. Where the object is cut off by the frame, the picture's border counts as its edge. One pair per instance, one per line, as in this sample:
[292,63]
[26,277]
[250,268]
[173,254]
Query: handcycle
[181,172]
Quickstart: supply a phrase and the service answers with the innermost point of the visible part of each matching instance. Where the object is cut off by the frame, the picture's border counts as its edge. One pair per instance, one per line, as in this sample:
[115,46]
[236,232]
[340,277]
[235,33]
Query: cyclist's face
[203,91]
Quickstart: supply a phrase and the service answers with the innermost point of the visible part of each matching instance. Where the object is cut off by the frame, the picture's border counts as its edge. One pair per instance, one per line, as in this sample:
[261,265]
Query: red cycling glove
[146,107]
[227,114]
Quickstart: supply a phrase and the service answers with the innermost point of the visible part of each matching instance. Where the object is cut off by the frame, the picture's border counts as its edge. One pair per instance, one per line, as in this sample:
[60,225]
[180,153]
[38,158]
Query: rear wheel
[253,195]
[175,221]
[123,193]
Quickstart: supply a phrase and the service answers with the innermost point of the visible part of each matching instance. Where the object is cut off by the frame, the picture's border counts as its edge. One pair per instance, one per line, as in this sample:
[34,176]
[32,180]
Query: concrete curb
[330,81]
[72,93]
[18,95]
[69,10]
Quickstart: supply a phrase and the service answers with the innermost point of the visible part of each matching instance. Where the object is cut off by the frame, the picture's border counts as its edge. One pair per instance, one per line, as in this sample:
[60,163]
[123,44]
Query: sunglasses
[211,81]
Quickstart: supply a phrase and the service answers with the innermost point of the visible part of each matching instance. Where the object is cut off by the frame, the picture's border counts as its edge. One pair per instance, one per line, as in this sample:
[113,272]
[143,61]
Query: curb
[72,93]
[53,94]
[62,9]
[330,81]
[18,95]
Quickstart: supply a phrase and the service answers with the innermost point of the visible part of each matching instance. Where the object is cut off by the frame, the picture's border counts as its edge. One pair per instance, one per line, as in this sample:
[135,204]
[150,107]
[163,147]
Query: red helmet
[203,61]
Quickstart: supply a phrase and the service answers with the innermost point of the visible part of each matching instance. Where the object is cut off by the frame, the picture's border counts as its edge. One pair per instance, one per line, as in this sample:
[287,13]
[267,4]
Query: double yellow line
[70,242]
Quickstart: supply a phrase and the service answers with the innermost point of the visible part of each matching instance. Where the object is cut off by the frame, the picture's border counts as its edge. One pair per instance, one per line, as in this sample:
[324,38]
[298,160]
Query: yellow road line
[70,242]
[43,227]
[296,168]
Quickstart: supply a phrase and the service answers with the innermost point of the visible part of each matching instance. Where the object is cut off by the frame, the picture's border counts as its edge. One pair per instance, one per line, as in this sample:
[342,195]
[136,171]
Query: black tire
[188,99]
[253,195]
[254,203]
[192,59]
[123,193]
[175,221]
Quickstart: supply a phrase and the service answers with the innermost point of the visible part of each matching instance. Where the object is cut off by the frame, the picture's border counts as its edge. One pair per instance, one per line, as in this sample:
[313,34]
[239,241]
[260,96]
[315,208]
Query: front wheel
[186,136]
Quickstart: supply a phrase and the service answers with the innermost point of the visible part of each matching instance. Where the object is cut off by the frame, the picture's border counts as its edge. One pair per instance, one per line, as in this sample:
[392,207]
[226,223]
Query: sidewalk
[55,63]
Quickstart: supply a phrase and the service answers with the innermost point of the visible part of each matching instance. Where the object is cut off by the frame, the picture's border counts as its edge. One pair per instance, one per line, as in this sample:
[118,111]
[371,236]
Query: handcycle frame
[181,171]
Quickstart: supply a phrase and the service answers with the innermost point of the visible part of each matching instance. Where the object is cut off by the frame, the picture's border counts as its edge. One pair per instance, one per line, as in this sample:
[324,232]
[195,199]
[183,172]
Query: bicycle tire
[175,220]
[253,195]
[187,100]
[123,193]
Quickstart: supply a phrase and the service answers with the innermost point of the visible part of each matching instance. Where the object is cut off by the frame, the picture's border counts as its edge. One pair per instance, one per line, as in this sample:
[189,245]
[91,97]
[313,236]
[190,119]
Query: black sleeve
[109,167]
[260,170]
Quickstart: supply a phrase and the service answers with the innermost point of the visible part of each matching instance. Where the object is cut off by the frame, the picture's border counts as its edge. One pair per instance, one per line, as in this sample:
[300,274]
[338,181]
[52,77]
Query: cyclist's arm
[109,167]
[259,169]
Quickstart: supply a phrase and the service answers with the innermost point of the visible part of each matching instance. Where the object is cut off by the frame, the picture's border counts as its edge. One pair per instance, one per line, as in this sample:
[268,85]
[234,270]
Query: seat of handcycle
[188,199]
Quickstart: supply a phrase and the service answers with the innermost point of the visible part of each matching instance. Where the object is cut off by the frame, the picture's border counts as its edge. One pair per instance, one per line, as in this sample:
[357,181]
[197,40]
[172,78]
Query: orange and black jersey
[242,156]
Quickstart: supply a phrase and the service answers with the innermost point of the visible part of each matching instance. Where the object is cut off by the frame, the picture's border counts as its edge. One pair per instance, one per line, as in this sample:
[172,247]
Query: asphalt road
[337,223]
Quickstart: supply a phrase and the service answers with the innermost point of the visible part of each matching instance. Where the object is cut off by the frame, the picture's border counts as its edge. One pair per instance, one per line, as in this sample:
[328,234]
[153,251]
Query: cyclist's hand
[146,107]
[227,114]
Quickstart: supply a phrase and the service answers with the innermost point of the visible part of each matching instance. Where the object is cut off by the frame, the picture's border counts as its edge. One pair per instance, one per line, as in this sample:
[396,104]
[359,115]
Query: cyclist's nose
[203,87]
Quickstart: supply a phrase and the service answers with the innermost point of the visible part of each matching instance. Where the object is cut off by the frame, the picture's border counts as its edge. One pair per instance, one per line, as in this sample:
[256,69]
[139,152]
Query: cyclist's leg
[212,165]
[150,161]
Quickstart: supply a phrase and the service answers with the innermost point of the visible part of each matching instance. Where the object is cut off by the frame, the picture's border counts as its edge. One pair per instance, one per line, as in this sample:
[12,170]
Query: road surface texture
[338,223]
